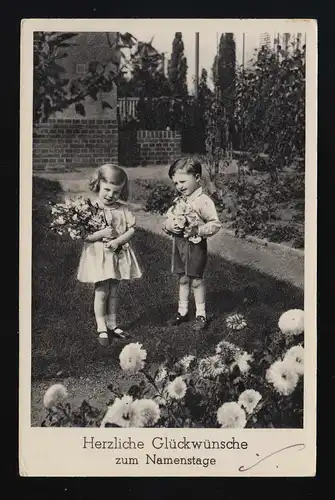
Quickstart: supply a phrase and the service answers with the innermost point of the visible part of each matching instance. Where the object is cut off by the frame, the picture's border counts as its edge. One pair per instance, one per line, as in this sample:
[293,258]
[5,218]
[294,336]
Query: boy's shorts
[189,259]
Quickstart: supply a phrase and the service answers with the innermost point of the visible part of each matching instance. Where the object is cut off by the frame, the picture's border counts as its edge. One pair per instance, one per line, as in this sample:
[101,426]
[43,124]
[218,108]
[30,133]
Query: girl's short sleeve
[130,219]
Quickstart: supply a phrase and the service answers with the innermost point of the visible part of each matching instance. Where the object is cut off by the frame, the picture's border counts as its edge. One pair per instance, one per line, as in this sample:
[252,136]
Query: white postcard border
[60,452]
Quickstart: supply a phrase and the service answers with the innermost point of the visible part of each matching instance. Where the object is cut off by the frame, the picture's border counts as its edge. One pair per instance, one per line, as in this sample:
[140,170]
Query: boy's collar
[192,196]
[195,194]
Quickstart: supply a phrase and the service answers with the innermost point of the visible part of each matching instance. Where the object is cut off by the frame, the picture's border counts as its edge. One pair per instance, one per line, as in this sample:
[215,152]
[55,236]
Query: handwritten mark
[299,446]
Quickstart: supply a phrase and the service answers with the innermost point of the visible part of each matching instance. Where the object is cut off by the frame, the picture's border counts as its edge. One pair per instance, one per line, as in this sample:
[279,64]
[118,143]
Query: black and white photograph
[168,229]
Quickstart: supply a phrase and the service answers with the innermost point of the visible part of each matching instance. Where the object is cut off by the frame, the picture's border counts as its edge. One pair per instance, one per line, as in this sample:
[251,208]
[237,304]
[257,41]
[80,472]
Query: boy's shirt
[205,209]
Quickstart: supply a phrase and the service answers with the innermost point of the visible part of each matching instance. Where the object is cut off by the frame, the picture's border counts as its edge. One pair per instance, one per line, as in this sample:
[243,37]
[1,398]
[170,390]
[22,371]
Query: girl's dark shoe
[178,319]
[201,323]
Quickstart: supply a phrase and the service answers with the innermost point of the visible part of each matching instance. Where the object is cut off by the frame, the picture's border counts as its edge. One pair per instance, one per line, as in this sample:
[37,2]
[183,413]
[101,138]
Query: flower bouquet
[77,218]
[182,214]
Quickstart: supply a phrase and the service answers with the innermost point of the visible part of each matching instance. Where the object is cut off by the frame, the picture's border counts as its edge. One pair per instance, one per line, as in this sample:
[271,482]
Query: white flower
[177,388]
[132,357]
[161,400]
[242,361]
[75,217]
[282,377]
[231,415]
[121,413]
[292,322]
[236,322]
[55,209]
[212,366]
[60,220]
[146,412]
[161,374]
[55,395]
[186,361]
[249,399]
[295,357]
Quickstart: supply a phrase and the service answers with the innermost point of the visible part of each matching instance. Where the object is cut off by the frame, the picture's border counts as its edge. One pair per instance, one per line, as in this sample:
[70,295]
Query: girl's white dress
[98,263]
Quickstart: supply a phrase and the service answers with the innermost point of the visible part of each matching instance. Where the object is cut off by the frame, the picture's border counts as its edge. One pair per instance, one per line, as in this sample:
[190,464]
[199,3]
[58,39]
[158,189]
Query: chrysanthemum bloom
[121,413]
[177,388]
[295,357]
[147,412]
[292,322]
[231,415]
[249,399]
[161,374]
[55,395]
[186,361]
[132,357]
[236,322]
[212,366]
[283,377]
[228,351]
[242,361]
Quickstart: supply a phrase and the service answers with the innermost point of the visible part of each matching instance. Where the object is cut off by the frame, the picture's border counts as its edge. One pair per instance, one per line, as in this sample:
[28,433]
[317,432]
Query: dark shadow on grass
[63,328]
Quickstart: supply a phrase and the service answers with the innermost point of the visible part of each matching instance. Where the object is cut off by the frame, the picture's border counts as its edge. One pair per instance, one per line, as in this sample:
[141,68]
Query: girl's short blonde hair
[110,173]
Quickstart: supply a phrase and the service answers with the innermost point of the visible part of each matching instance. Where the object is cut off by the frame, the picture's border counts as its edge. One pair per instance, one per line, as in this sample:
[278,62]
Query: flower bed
[230,388]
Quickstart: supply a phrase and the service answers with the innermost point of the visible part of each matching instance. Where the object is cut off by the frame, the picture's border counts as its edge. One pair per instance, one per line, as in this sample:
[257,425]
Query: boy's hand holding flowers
[191,231]
[175,224]
[183,221]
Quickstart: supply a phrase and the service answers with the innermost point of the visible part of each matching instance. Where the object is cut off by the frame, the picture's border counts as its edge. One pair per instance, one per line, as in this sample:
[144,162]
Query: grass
[63,328]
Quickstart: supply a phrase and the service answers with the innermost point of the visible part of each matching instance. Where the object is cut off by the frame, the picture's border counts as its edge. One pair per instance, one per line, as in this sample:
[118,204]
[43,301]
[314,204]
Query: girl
[107,256]
[189,251]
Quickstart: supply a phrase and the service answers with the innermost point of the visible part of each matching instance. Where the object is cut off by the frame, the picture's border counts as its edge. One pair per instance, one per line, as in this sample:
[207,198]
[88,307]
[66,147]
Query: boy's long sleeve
[212,224]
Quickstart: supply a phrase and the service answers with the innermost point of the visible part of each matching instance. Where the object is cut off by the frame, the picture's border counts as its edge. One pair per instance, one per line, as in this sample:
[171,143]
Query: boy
[191,220]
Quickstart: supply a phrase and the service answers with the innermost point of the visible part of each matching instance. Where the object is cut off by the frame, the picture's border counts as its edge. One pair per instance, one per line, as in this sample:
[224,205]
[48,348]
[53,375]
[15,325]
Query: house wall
[69,143]
[148,147]
[67,139]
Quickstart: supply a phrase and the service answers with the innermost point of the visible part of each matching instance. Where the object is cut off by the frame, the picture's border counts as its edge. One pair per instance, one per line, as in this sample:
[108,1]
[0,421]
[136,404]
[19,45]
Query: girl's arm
[107,232]
[125,237]
[128,234]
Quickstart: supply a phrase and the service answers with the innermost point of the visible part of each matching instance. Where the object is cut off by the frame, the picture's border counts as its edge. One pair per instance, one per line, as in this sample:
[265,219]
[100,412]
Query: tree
[204,90]
[224,75]
[270,107]
[177,72]
[147,78]
[53,91]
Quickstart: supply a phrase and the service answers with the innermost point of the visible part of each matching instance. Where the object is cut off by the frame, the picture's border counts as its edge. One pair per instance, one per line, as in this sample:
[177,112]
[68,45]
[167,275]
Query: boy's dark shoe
[201,323]
[178,319]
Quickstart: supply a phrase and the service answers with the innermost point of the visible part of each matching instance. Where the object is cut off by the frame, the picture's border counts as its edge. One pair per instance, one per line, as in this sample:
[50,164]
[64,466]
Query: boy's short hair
[186,165]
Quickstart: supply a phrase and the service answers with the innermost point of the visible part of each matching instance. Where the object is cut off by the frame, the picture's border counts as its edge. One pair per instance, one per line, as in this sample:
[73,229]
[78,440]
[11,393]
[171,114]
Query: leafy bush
[257,206]
[230,388]
[160,199]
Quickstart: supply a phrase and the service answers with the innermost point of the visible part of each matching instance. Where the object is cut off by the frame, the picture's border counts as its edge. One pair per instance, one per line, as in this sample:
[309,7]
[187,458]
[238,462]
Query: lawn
[63,329]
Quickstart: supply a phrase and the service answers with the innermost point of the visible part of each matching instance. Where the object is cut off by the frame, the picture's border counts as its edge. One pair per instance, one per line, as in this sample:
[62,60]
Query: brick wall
[148,147]
[67,143]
